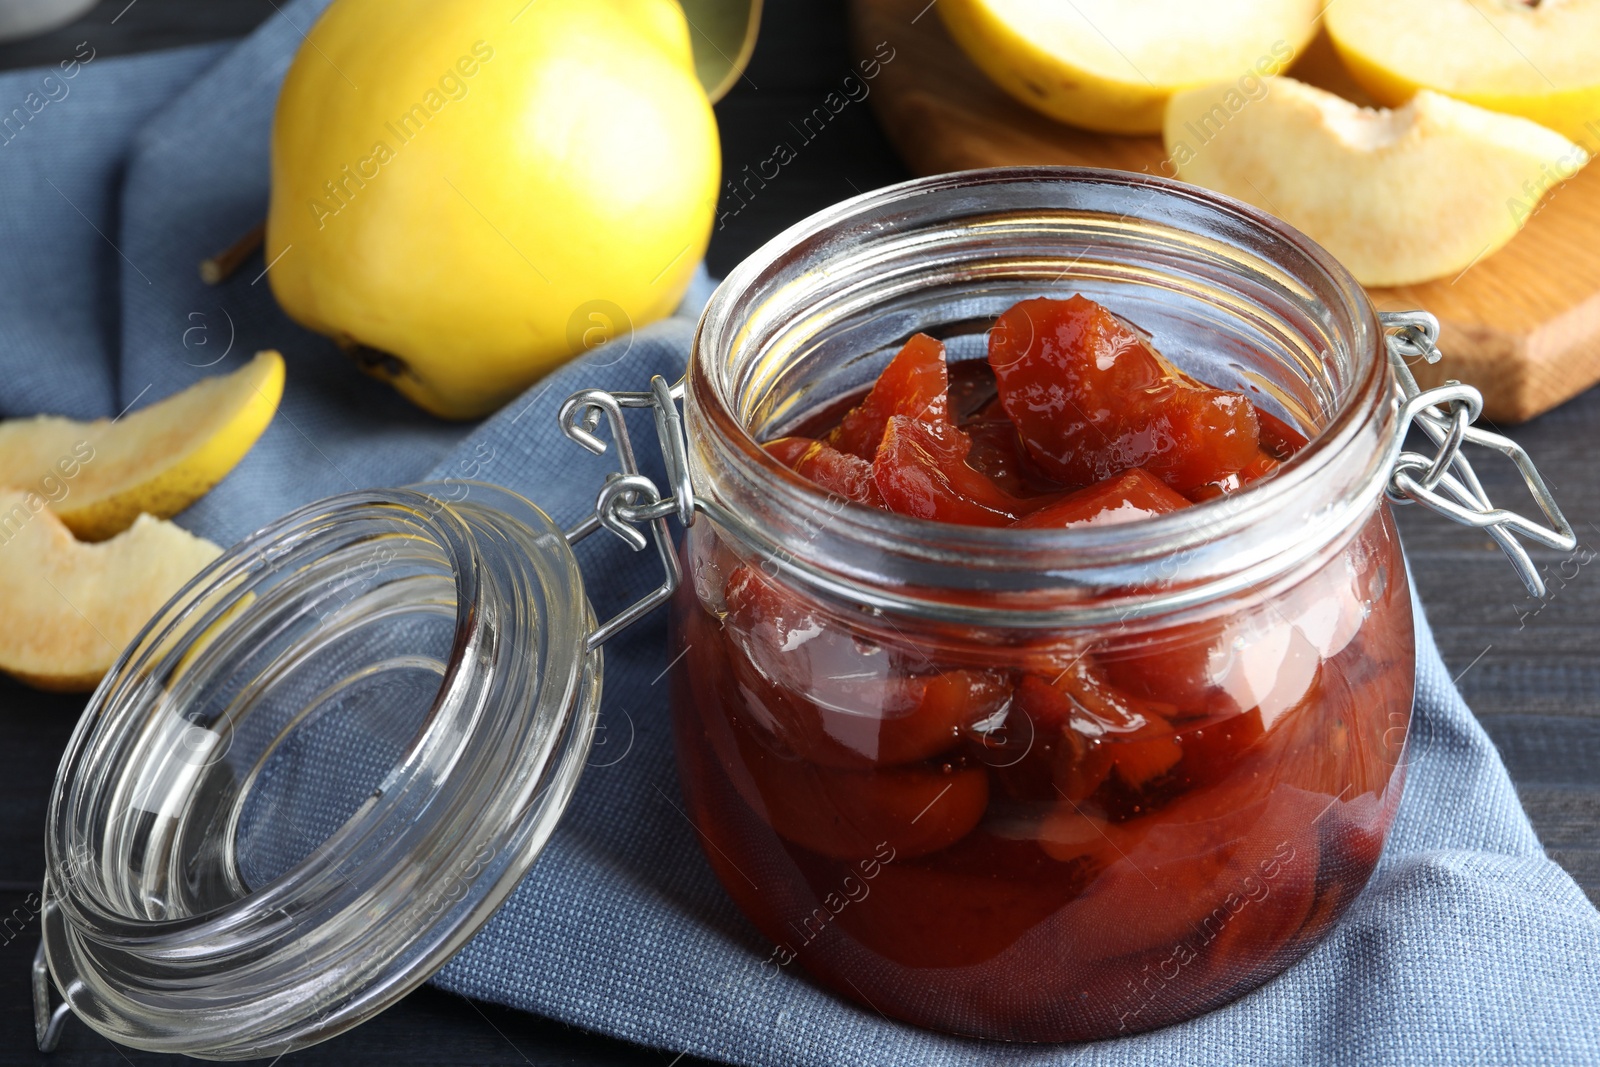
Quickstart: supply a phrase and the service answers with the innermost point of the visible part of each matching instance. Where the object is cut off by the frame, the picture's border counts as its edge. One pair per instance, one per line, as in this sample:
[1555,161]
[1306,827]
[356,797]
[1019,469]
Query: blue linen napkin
[1468,946]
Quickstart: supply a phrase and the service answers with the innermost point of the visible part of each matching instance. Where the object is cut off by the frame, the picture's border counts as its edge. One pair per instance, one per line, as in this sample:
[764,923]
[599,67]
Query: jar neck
[1231,295]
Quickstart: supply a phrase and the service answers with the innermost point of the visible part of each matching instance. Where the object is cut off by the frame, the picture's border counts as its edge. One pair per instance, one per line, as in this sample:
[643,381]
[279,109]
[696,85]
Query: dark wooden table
[1531,670]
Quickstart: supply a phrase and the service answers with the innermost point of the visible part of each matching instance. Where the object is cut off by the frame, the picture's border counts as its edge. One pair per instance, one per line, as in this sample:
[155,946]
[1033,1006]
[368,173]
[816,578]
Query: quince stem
[220,267]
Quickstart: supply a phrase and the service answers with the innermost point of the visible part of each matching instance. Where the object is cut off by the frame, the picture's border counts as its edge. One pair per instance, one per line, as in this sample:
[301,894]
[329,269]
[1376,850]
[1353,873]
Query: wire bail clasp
[629,499]
[1445,482]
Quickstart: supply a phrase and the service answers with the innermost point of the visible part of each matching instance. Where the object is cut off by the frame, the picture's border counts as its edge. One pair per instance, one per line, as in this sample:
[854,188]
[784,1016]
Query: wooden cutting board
[1523,324]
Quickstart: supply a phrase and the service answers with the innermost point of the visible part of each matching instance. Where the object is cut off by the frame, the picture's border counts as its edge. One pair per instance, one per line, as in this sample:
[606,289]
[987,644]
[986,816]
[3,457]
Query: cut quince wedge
[71,607]
[1399,196]
[1110,65]
[100,476]
[1535,59]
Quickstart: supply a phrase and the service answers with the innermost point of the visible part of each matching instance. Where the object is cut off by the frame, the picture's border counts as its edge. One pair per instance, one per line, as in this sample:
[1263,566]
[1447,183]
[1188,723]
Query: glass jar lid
[319,770]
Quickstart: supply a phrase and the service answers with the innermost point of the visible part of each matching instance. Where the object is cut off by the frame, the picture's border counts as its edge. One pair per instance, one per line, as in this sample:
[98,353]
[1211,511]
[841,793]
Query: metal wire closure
[48,1021]
[1445,482]
[629,499]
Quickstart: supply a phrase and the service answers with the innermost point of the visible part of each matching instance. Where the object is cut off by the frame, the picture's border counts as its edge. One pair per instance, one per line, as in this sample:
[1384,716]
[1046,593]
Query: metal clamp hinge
[629,499]
[1445,482]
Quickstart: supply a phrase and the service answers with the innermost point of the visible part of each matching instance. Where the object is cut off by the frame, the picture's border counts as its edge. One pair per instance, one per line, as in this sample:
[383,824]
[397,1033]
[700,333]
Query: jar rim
[995,550]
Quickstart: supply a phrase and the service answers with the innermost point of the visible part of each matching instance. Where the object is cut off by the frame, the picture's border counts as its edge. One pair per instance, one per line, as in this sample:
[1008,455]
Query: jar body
[1042,785]
[1044,836]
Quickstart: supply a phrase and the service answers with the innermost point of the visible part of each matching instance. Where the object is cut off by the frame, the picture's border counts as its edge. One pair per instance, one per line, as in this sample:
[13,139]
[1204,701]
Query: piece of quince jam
[1074,420]
[1042,835]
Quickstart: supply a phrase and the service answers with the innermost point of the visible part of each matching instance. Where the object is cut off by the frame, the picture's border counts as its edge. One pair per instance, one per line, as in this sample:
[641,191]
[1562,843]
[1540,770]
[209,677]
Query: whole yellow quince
[465,193]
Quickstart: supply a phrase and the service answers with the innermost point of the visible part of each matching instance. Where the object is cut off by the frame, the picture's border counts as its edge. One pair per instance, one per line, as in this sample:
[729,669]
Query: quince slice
[1110,65]
[99,476]
[1399,196]
[71,607]
[1534,58]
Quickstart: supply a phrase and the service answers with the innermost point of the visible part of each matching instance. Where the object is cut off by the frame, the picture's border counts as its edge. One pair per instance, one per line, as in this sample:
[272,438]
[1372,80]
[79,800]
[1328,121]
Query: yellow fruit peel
[1111,66]
[99,477]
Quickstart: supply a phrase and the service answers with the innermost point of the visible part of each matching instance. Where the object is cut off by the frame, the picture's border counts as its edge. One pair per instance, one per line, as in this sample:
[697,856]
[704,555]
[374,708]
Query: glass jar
[1042,785]
[1021,784]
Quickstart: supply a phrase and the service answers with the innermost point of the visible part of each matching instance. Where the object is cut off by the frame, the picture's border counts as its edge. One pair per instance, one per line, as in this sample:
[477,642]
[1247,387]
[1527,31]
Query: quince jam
[1043,835]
